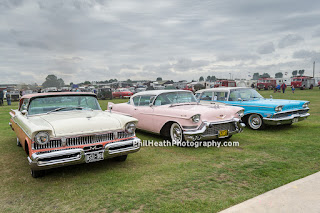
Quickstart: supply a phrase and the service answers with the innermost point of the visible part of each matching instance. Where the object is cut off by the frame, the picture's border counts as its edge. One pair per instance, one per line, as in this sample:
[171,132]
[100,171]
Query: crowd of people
[283,87]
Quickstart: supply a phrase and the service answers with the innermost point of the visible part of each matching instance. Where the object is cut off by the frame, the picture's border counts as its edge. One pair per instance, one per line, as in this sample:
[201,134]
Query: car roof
[158,92]
[34,95]
[221,89]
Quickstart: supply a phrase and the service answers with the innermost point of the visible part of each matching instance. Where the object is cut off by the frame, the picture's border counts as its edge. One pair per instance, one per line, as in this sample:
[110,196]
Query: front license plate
[94,156]
[295,120]
[222,133]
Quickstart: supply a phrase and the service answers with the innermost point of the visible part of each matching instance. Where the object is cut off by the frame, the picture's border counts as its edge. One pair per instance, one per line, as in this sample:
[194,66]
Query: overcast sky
[80,40]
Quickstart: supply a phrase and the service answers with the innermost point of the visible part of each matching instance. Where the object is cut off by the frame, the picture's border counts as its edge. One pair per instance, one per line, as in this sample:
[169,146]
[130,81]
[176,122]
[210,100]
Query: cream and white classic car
[59,129]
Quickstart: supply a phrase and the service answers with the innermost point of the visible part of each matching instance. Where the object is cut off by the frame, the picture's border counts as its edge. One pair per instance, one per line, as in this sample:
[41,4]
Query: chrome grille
[89,139]
[214,128]
[83,140]
[121,135]
[286,114]
[51,144]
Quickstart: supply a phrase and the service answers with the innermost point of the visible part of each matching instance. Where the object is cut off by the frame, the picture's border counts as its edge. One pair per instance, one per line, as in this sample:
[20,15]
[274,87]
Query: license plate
[94,156]
[295,120]
[223,133]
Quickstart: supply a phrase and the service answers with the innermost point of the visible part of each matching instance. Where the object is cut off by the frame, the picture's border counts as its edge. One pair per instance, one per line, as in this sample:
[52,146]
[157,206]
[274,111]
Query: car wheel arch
[165,130]
[26,147]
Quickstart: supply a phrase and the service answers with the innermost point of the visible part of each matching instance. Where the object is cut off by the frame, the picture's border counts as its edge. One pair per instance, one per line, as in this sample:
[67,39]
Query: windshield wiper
[62,108]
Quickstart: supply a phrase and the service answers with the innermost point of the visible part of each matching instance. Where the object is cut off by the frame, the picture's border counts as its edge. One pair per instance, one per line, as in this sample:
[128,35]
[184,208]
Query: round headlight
[196,118]
[278,108]
[130,127]
[241,113]
[305,105]
[42,138]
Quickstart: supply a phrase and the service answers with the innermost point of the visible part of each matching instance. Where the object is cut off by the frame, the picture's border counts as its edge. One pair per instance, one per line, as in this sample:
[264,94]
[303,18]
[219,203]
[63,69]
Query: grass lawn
[166,179]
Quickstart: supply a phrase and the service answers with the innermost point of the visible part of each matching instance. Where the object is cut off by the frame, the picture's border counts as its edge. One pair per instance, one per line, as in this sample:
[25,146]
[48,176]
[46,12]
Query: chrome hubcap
[176,133]
[255,122]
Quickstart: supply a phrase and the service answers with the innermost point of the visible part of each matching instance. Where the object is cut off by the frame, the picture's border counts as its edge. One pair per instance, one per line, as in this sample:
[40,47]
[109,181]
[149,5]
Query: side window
[145,100]
[136,100]
[220,96]
[198,95]
[206,96]
[24,105]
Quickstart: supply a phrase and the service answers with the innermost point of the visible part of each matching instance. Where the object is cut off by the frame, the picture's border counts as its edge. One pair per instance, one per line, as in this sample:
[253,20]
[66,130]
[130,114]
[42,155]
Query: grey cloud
[33,44]
[306,54]
[185,64]
[289,40]
[266,48]
[90,39]
[237,57]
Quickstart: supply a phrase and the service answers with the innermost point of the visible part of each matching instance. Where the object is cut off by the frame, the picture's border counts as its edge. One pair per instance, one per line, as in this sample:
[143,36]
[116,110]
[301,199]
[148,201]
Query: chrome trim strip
[291,117]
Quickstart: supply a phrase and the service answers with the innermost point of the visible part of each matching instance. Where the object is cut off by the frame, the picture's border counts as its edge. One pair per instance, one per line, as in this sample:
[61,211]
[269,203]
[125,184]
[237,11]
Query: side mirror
[24,112]
[110,108]
[271,96]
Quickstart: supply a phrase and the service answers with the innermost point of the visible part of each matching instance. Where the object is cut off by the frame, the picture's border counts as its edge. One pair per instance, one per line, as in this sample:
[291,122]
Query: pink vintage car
[176,114]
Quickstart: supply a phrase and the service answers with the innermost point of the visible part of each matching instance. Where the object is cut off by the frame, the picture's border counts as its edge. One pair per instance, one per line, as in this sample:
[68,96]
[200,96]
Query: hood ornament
[221,116]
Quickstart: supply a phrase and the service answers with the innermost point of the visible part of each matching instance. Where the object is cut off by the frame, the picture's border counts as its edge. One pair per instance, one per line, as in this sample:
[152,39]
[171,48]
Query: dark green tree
[53,81]
[201,78]
[208,78]
[265,75]
[255,76]
[213,78]
[159,79]
[301,72]
[294,73]
[279,75]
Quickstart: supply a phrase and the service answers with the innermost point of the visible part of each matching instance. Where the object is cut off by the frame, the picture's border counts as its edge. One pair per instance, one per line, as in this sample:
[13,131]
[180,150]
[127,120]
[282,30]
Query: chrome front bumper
[41,161]
[199,134]
[286,120]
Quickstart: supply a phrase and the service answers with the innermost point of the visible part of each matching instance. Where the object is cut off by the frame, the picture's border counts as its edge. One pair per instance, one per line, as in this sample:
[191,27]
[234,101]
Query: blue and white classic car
[258,110]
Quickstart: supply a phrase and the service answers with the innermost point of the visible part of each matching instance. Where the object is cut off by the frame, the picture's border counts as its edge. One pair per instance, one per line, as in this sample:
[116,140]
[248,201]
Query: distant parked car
[59,129]
[176,114]
[104,93]
[122,93]
[258,110]
[15,95]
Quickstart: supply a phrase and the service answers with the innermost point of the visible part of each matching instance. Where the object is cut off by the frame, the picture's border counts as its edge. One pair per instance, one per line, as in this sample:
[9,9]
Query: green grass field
[166,179]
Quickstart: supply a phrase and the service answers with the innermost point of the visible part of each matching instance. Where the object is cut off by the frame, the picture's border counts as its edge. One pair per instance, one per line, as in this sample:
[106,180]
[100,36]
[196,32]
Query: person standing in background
[293,89]
[1,97]
[8,96]
[283,87]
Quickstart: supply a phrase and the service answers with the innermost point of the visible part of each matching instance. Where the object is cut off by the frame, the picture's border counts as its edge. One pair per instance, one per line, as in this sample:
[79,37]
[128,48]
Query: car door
[144,112]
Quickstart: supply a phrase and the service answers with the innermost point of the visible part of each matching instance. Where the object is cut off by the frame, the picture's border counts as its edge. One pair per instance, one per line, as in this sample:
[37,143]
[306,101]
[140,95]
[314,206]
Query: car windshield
[42,105]
[175,98]
[244,94]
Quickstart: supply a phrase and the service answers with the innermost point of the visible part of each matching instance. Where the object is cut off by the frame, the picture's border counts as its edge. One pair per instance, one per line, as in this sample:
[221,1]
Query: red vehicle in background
[303,82]
[266,83]
[319,84]
[225,83]
[122,93]
[189,88]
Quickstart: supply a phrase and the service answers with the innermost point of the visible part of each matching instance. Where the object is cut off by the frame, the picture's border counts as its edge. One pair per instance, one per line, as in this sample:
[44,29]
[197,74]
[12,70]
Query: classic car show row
[66,128]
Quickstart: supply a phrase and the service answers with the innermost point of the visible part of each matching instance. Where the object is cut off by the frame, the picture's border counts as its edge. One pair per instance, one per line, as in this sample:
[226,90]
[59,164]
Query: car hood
[288,104]
[81,122]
